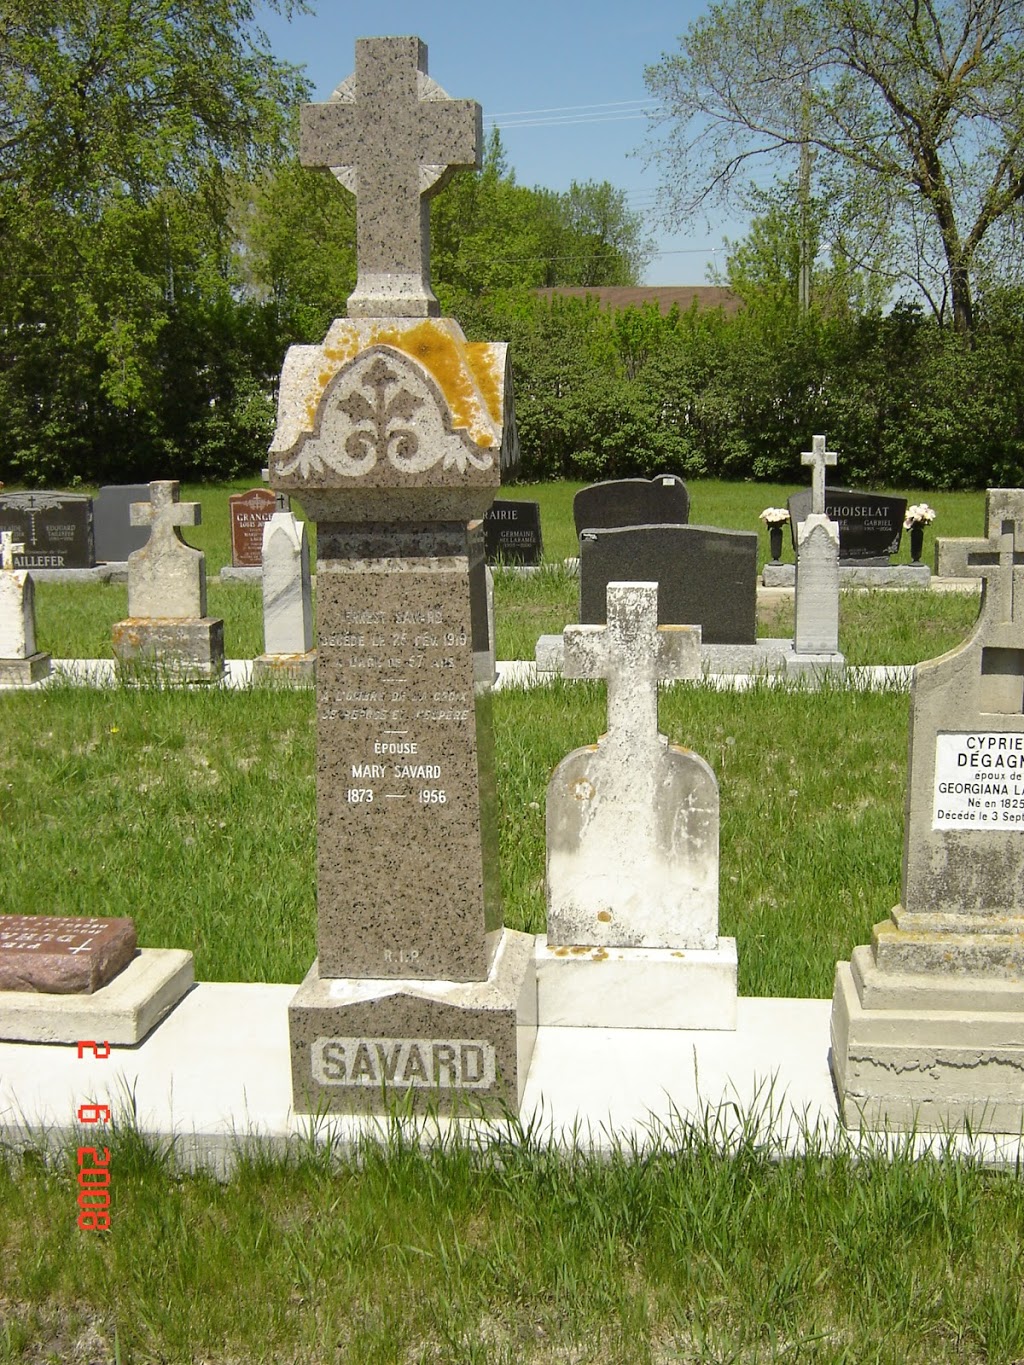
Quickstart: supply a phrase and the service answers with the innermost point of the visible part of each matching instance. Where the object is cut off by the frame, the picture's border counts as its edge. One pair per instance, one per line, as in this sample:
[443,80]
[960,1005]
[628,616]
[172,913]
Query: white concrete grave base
[122,1012]
[636,988]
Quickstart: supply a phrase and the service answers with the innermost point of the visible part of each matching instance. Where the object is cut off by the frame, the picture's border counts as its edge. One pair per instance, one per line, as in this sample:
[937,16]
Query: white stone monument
[632,846]
[167,626]
[287,601]
[817,568]
[928,1022]
[20,662]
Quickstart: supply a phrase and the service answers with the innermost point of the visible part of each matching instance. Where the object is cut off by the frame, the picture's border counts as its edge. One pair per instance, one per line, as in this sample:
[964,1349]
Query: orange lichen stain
[451,365]
[605,916]
[559,952]
[577,951]
[678,954]
[601,955]
[467,374]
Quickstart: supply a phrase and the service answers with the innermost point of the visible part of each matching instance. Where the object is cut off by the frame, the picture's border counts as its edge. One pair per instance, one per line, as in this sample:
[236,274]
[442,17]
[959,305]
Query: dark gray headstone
[661,501]
[706,577]
[870,524]
[55,528]
[116,537]
[512,532]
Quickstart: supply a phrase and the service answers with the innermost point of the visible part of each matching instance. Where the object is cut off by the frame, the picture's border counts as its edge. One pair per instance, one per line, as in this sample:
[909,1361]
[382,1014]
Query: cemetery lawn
[194,813]
[513,1253]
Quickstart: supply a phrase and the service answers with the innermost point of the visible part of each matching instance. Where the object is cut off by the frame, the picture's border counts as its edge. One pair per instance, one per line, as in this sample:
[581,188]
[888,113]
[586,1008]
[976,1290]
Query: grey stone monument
[167,626]
[632,845]
[928,1022]
[20,662]
[817,566]
[393,434]
[288,651]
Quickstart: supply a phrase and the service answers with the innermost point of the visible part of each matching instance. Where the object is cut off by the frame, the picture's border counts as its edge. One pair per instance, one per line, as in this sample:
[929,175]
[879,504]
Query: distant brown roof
[664,295]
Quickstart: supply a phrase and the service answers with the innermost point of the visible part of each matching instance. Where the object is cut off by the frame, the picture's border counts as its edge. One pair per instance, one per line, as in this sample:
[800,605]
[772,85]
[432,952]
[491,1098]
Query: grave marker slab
[928,1022]
[512,532]
[249,513]
[661,501]
[116,536]
[393,434]
[706,577]
[287,599]
[56,529]
[63,954]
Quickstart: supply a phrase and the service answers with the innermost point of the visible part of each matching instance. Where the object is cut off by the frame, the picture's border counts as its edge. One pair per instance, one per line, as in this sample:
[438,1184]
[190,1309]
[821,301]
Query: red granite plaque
[249,512]
[62,954]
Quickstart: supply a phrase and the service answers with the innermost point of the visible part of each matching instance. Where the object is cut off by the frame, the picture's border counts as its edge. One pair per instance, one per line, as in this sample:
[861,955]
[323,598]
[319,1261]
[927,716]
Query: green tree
[124,127]
[915,109]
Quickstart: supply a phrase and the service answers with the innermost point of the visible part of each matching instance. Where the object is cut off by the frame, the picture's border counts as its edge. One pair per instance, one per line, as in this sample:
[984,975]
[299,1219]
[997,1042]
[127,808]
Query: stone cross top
[634,654]
[164,512]
[393,137]
[9,547]
[998,560]
[818,457]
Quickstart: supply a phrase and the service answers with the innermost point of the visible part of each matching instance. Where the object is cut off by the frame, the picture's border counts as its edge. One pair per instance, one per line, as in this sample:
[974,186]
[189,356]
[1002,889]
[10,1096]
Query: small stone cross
[393,137]
[634,654]
[818,457]
[9,547]
[164,513]
[998,560]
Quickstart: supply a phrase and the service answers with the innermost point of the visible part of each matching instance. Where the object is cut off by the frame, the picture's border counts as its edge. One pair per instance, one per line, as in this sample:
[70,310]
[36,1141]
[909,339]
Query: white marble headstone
[817,586]
[287,597]
[632,823]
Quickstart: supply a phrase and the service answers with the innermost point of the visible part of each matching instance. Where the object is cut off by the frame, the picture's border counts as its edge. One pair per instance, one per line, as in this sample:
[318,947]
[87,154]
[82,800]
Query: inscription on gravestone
[62,955]
[870,524]
[249,513]
[56,529]
[512,532]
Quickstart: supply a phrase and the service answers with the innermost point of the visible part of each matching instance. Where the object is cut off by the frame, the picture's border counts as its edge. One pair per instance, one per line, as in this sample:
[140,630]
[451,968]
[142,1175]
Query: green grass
[195,813]
[514,1253]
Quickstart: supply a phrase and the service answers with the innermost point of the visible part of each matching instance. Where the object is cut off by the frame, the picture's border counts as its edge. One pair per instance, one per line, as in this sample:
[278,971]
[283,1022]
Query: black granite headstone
[512,532]
[870,524]
[706,577]
[661,501]
[116,537]
[55,528]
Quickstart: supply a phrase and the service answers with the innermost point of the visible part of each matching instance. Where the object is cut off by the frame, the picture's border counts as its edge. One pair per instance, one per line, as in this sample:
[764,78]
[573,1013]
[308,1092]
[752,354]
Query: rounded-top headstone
[661,501]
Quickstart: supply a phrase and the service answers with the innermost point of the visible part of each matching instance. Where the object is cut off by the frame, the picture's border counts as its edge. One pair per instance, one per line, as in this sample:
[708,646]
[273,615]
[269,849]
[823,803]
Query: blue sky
[581,62]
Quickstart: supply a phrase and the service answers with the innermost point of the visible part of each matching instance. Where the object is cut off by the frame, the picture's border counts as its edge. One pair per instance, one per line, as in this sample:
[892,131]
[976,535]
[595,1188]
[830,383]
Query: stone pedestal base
[121,1012]
[187,649]
[927,1051]
[289,669]
[367,1046]
[637,988]
[22,672]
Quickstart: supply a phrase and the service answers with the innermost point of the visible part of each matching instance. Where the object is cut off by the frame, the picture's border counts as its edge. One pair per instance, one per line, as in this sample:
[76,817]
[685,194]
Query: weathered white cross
[393,137]
[9,547]
[634,654]
[164,513]
[818,457]
[998,560]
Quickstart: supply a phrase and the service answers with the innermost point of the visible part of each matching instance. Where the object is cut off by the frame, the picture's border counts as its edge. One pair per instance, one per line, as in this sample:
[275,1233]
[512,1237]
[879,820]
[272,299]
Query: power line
[569,108]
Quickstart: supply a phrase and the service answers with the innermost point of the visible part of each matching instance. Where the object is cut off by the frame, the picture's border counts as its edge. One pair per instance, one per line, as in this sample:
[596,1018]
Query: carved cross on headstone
[164,513]
[818,457]
[393,137]
[634,654]
[998,560]
[9,547]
